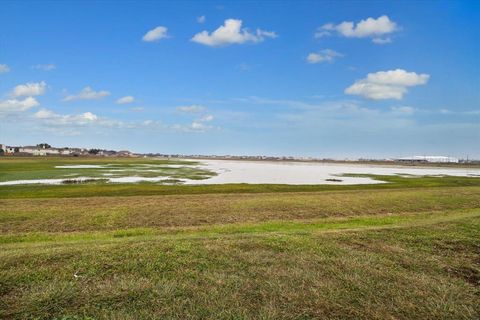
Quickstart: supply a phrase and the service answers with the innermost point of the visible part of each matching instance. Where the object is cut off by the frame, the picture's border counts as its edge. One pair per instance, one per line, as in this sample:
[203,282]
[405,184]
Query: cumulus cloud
[377,29]
[87,93]
[231,32]
[156,34]
[29,89]
[201,19]
[14,105]
[4,68]
[392,84]
[45,67]
[326,55]
[126,99]
[194,108]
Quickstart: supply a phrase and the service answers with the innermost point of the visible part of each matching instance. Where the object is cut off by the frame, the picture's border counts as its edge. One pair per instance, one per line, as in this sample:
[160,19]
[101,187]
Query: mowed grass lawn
[411,251]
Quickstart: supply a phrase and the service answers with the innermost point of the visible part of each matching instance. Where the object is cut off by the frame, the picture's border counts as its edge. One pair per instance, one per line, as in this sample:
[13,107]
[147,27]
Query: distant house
[10,150]
[125,153]
[28,150]
[65,151]
[41,150]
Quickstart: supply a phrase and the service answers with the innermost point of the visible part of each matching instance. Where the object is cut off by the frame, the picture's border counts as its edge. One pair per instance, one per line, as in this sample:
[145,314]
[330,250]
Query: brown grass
[110,213]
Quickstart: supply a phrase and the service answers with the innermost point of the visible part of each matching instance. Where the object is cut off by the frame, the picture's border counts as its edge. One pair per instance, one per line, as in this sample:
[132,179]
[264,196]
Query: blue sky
[307,78]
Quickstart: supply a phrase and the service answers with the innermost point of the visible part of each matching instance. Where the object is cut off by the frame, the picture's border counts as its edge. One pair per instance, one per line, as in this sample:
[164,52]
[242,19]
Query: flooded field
[260,172]
[126,171]
[221,172]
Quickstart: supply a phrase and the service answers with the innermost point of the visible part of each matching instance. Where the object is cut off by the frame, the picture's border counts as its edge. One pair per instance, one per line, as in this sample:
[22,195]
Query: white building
[430,159]
[37,151]
[9,150]
[66,152]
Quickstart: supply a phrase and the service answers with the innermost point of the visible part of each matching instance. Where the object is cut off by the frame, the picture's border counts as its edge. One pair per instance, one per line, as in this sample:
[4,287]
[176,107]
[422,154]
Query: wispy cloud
[126,100]
[194,108]
[403,110]
[4,68]
[45,67]
[16,105]
[87,93]
[327,55]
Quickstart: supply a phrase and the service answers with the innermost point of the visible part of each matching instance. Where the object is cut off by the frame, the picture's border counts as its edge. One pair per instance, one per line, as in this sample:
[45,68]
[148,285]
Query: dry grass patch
[111,213]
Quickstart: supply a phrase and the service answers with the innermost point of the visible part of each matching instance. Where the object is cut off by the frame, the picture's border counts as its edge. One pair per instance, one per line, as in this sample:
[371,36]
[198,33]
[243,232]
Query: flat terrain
[408,249]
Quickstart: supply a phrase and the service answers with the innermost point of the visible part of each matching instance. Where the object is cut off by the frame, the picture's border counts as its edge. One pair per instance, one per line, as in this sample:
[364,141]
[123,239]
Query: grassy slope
[405,250]
[111,213]
[422,268]
[356,254]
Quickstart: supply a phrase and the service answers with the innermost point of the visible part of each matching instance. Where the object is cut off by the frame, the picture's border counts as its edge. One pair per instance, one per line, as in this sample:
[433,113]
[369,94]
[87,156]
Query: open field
[173,171]
[408,249]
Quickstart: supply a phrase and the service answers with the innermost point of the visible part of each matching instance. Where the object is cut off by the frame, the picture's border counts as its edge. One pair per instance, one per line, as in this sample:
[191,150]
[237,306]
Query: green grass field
[408,249]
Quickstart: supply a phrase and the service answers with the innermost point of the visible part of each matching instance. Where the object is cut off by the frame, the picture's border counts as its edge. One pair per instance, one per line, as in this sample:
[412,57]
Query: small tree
[44,146]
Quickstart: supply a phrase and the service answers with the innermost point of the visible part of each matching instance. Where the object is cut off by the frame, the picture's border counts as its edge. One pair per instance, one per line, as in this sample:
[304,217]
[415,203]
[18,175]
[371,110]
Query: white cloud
[126,99]
[156,34]
[88,116]
[206,118]
[370,27]
[199,126]
[194,127]
[44,114]
[231,33]
[53,118]
[403,111]
[326,55]
[194,108]
[138,109]
[45,67]
[14,105]
[391,84]
[467,113]
[87,93]
[201,19]
[29,89]
[4,68]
